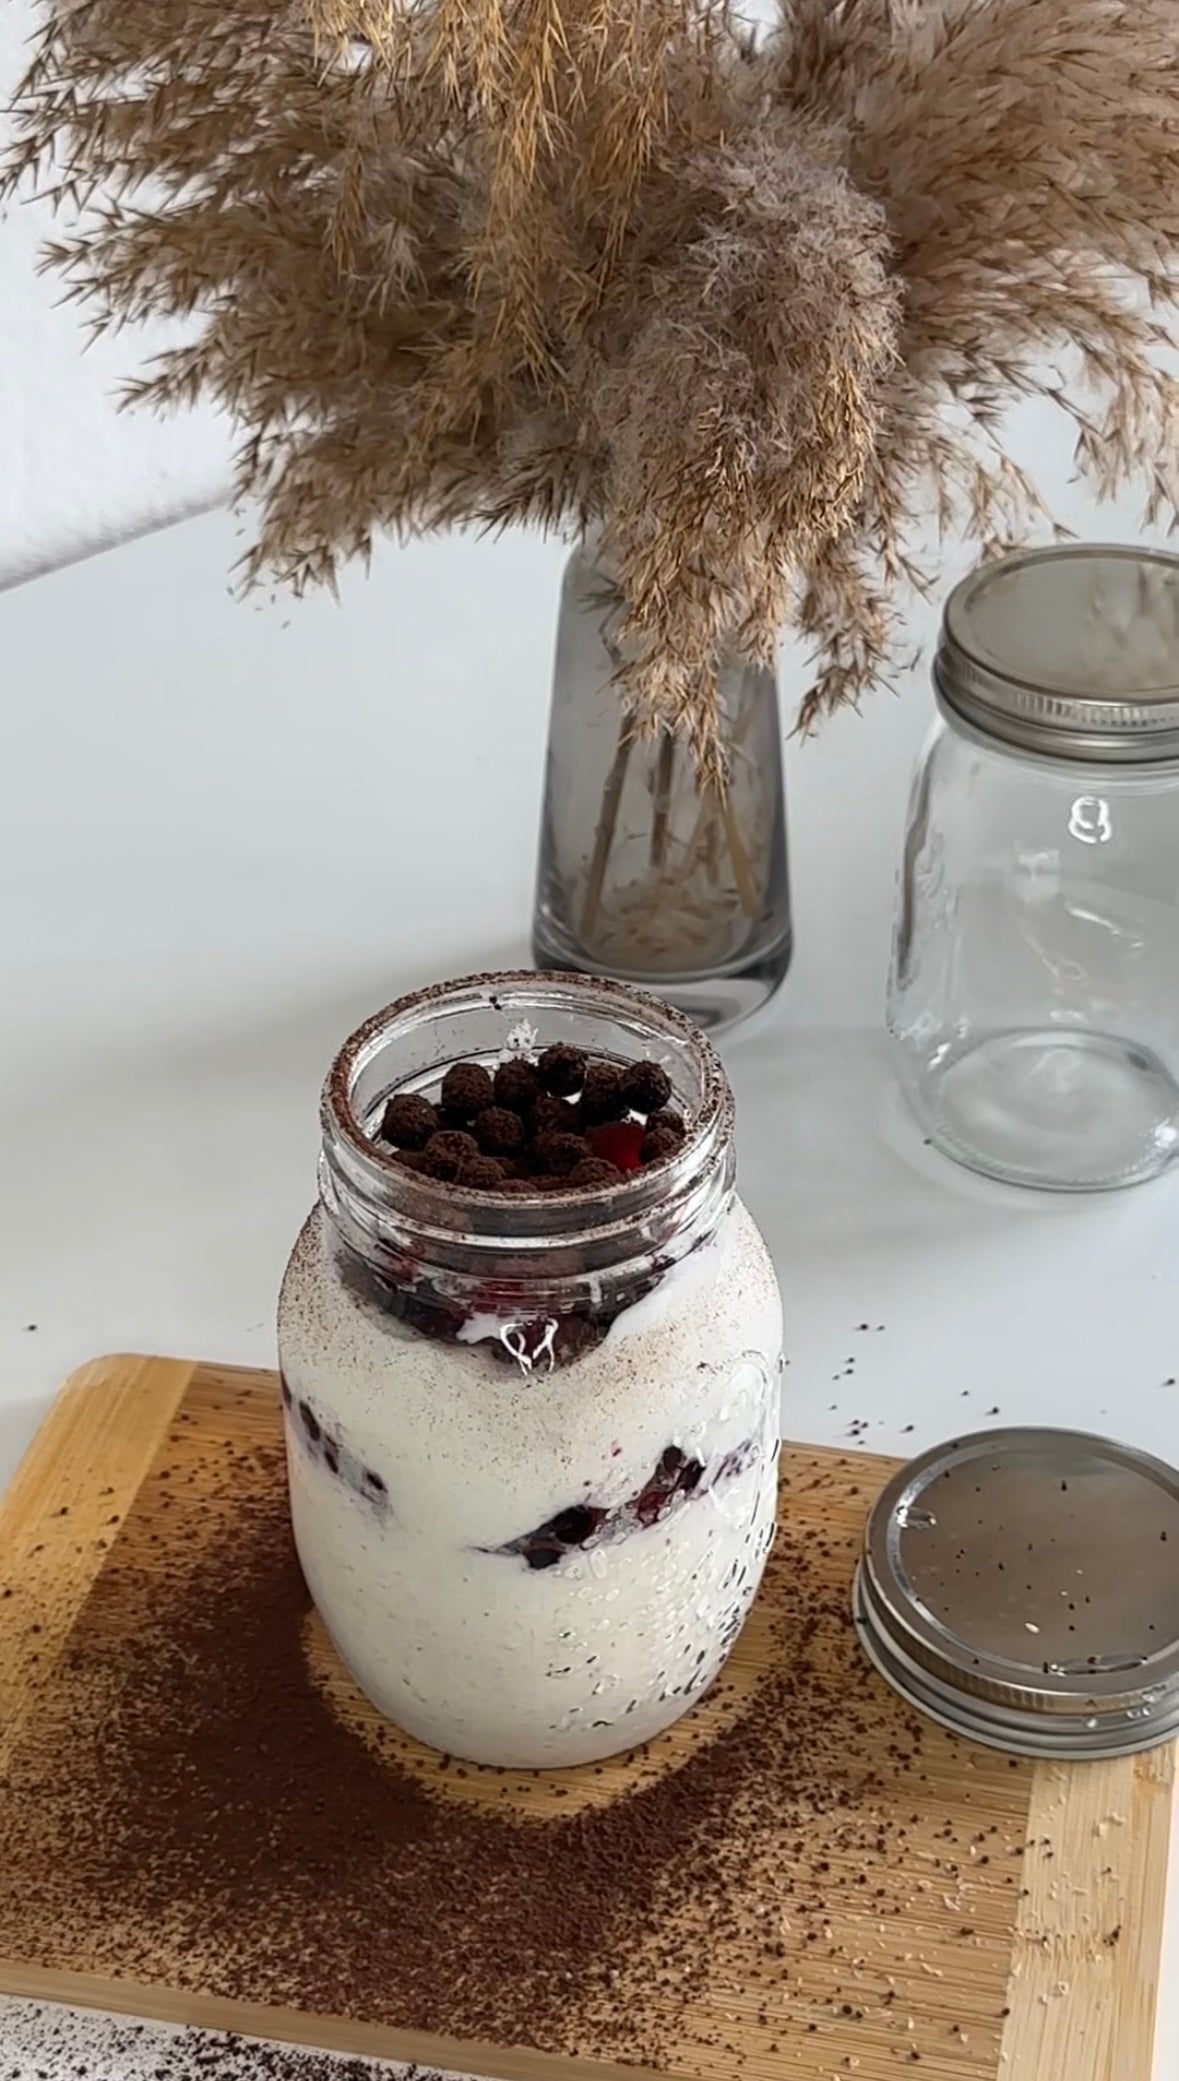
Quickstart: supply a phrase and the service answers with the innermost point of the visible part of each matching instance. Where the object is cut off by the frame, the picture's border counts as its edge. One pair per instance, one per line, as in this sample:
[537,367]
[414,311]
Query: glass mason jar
[643,875]
[1034,998]
[532,1441]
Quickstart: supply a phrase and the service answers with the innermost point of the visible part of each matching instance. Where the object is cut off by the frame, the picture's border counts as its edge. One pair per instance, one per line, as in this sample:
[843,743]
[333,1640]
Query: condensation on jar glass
[1034,994]
[532,1441]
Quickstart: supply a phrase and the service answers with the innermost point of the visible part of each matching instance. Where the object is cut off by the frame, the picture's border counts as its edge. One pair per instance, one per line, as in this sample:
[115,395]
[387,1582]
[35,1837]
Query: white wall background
[75,472]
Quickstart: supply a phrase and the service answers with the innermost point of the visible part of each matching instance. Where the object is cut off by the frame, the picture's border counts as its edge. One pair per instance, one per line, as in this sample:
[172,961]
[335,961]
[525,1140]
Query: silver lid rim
[1050,1738]
[1105,1689]
[1095,1705]
[1151,740]
[1141,728]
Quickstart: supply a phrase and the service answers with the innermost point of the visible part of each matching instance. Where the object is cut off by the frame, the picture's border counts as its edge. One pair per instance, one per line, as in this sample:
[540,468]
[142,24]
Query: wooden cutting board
[849,1890]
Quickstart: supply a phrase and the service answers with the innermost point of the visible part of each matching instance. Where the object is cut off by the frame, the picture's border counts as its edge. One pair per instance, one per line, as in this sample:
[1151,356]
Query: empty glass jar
[1034,997]
[643,874]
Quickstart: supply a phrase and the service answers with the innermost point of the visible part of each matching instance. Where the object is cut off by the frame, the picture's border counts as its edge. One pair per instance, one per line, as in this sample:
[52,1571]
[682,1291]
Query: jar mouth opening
[440,1208]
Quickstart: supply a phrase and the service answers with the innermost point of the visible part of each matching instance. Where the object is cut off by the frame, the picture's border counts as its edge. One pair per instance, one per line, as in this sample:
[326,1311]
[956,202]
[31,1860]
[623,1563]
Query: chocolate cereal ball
[516,1084]
[482,1173]
[595,1171]
[552,1116]
[562,1069]
[601,1094]
[658,1144]
[409,1121]
[557,1153]
[466,1089]
[498,1131]
[671,1122]
[445,1152]
[646,1087]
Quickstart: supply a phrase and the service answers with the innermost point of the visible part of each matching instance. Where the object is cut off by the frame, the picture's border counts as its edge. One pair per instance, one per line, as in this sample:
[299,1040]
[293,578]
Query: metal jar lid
[1022,1587]
[1071,652]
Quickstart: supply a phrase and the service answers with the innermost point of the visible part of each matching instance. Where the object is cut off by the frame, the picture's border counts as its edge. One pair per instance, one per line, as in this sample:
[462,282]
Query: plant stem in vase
[647,871]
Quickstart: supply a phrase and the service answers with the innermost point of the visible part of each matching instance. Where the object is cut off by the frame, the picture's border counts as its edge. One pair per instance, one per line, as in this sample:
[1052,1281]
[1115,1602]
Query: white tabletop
[227,832]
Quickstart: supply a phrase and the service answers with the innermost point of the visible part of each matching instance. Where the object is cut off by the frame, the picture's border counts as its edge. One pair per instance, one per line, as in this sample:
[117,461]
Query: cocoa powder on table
[41,2041]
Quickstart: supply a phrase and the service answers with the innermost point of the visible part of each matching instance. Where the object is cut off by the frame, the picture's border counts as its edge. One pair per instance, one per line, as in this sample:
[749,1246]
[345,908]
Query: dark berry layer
[323,1442]
[675,1477]
[484,1319]
[552,1541]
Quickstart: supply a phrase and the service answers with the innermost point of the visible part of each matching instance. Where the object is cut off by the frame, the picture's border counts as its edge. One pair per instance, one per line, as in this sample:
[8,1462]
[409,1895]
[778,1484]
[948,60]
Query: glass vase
[645,873]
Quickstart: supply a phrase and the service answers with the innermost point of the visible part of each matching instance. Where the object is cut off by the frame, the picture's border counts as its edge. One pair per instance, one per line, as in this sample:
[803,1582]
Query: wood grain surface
[999,1920]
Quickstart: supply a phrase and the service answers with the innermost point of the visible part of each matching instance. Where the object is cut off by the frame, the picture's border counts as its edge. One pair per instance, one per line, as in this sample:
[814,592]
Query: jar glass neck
[387,1213]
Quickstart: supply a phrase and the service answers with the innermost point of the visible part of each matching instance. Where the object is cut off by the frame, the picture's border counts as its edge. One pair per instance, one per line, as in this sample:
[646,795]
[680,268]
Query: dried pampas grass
[751,312]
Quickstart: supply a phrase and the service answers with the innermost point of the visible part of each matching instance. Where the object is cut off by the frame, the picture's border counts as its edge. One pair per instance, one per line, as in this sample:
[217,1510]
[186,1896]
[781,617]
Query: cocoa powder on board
[192,1808]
